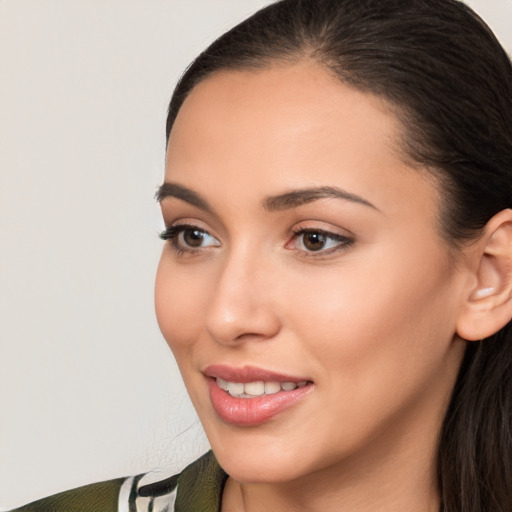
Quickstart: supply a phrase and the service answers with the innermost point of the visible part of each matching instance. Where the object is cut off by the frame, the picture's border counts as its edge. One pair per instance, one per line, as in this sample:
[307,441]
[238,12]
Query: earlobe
[488,305]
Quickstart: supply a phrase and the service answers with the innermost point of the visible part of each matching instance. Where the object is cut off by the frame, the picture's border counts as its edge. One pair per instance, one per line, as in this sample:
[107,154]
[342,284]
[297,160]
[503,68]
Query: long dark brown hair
[450,83]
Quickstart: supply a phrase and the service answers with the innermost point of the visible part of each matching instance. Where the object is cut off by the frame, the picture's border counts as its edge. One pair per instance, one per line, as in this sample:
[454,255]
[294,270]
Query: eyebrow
[280,202]
[168,189]
[296,198]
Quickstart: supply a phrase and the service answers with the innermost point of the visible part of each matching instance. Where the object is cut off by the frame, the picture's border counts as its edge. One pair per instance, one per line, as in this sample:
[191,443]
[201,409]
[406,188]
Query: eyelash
[343,242]
[171,234]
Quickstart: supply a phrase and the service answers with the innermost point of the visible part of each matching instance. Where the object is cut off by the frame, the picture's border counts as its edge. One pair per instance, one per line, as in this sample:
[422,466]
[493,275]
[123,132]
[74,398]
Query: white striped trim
[124,495]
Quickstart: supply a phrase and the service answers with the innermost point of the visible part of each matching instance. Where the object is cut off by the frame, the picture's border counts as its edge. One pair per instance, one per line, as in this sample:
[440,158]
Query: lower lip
[249,412]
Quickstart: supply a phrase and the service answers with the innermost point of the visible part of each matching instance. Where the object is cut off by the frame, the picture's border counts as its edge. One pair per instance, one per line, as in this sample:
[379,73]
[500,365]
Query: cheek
[369,319]
[177,304]
[377,340]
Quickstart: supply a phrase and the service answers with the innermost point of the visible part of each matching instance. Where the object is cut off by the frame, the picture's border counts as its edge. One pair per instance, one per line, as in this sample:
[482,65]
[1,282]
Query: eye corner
[164,234]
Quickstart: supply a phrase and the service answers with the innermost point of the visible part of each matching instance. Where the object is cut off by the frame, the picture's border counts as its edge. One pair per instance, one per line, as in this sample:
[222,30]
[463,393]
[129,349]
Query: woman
[336,280]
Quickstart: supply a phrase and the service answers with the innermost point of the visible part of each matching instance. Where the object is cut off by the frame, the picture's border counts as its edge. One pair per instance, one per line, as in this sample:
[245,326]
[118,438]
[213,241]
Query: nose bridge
[240,302]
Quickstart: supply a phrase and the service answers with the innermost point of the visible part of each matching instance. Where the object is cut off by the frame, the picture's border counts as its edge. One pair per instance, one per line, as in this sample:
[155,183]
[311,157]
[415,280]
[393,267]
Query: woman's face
[304,289]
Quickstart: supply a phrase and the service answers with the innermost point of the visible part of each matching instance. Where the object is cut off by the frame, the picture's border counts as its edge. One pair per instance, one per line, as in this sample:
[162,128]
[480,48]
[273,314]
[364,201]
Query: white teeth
[257,388]
[235,388]
[223,384]
[272,387]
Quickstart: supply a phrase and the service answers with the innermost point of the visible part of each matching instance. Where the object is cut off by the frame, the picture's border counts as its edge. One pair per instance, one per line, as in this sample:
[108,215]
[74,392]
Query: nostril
[251,335]
[247,328]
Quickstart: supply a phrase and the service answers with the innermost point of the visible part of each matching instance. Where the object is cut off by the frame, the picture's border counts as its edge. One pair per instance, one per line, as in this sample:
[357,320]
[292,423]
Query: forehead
[289,126]
[283,99]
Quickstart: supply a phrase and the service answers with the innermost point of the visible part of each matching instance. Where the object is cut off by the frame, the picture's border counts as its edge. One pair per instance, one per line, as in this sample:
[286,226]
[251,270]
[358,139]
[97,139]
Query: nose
[242,306]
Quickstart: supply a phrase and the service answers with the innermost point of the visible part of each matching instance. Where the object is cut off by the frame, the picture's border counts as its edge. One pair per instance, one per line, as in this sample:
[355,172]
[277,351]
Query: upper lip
[249,374]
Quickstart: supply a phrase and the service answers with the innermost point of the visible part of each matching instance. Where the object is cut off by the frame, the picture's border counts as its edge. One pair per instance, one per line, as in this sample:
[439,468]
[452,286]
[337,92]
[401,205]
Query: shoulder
[101,497]
[198,488]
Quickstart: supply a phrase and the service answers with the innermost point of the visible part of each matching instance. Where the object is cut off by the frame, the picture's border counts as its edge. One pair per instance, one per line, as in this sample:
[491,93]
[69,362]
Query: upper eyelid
[191,224]
[298,231]
[188,218]
[328,234]
[183,226]
[322,226]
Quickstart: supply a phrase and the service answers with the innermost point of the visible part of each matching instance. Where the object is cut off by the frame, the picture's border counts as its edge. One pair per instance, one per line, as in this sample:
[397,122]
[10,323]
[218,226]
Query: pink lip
[248,412]
[248,374]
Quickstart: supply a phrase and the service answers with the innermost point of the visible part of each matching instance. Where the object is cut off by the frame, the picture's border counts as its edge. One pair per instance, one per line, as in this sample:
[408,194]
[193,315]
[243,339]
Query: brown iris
[193,237]
[314,241]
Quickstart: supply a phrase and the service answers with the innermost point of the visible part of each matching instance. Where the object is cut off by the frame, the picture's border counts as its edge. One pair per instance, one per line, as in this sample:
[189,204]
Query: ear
[487,306]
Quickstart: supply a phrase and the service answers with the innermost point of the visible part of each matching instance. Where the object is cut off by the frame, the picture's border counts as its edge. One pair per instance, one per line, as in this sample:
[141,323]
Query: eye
[185,237]
[319,241]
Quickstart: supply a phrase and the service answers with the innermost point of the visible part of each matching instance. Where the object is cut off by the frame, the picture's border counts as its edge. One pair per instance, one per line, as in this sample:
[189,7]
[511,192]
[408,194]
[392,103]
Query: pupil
[193,237]
[314,241]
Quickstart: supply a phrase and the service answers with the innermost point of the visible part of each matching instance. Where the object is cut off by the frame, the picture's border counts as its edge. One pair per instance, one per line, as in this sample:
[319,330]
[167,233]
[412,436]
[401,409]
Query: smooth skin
[360,294]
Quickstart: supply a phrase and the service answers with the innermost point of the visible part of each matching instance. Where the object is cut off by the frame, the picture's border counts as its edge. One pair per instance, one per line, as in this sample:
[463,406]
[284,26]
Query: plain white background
[88,387]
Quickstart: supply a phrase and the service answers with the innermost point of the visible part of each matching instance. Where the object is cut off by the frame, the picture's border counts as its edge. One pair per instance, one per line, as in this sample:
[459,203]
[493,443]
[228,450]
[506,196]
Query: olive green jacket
[198,488]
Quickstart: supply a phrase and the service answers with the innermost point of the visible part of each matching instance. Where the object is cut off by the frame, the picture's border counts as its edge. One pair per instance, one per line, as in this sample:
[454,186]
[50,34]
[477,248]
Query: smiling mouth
[250,396]
[257,388]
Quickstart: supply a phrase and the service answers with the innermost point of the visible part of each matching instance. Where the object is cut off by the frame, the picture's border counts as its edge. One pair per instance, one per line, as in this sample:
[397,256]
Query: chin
[246,469]
[257,458]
